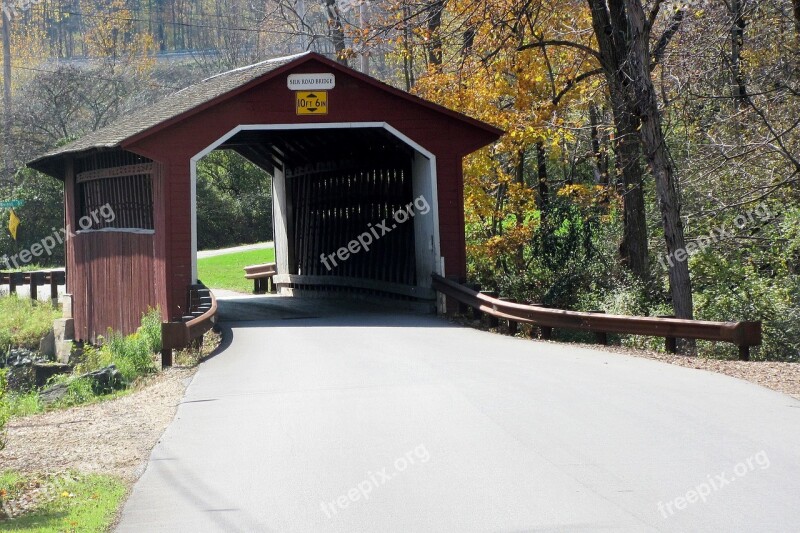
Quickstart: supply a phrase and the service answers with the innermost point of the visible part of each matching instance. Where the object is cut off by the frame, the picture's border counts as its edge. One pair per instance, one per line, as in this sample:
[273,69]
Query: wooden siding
[114,276]
[113,279]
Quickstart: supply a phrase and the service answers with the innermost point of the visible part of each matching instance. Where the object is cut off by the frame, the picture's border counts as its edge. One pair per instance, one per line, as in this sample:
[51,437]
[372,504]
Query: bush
[133,355]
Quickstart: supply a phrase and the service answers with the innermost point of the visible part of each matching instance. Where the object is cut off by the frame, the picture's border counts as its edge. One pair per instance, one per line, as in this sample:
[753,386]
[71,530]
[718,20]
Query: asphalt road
[325,416]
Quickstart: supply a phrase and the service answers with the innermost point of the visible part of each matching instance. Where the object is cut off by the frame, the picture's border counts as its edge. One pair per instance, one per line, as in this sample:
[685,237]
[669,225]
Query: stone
[63,351]
[53,394]
[105,380]
[64,329]
[47,346]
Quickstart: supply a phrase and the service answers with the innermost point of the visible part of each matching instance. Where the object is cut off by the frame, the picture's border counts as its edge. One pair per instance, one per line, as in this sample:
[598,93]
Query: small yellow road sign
[312,103]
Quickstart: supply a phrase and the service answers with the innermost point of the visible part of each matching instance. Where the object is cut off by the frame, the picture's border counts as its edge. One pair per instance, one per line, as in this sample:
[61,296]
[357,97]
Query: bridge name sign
[311,82]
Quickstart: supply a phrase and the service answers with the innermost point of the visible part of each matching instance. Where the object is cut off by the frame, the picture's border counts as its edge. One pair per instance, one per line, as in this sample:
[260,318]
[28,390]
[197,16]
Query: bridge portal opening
[354,207]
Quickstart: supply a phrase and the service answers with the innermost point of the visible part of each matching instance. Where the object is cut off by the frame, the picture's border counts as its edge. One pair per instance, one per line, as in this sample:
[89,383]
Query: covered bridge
[345,152]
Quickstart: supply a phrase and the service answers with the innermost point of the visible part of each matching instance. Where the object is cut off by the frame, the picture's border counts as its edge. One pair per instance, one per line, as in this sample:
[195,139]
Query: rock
[64,329]
[47,346]
[53,394]
[105,380]
[63,351]
[45,371]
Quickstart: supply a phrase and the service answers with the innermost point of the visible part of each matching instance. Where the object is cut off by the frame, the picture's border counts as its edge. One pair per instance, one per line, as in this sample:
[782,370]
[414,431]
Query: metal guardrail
[742,334]
[33,280]
[202,317]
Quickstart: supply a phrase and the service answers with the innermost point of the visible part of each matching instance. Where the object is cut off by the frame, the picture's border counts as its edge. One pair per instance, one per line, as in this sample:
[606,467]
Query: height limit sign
[312,102]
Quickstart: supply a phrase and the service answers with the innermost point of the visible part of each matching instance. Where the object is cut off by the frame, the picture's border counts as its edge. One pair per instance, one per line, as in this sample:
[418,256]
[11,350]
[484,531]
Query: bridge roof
[208,92]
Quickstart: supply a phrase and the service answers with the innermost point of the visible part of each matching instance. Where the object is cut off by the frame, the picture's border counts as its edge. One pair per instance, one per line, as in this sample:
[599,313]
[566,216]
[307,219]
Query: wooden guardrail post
[494,322]
[513,325]
[14,279]
[670,343]
[601,337]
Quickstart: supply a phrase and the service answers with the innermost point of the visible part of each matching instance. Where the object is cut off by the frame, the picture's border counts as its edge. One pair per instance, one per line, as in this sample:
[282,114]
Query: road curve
[349,418]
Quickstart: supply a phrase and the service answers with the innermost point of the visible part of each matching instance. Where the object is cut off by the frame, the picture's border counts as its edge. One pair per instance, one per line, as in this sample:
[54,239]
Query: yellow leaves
[586,196]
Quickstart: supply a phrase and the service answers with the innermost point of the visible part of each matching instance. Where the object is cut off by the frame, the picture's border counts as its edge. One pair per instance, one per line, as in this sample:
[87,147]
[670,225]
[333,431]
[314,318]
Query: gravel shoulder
[111,437]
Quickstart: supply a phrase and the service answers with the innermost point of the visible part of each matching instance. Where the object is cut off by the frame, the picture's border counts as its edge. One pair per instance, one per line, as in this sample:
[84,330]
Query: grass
[23,322]
[226,271]
[73,502]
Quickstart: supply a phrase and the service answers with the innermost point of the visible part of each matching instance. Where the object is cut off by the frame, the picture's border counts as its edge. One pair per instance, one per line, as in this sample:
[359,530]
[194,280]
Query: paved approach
[336,417]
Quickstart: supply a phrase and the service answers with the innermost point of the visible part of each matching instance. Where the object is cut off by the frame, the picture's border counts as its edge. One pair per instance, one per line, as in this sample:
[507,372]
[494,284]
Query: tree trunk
[336,31]
[611,30]
[738,24]
[634,249]
[644,104]
[8,153]
[598,150]
[435,9]
[541,175]
[623,36]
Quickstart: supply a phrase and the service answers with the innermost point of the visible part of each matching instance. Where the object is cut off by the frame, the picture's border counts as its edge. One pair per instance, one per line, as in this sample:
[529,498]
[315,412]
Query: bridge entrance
[367,188]
[355,206]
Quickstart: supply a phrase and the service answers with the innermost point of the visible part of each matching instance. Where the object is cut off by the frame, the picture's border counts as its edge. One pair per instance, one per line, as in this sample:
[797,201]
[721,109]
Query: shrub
[131,354]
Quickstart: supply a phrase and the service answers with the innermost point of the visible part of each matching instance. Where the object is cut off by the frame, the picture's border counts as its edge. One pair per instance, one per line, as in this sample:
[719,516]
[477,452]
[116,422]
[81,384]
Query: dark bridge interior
[339,183]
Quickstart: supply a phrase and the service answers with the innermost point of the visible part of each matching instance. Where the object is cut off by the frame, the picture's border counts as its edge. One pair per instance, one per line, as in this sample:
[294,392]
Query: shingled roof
[168,108]
[212,89]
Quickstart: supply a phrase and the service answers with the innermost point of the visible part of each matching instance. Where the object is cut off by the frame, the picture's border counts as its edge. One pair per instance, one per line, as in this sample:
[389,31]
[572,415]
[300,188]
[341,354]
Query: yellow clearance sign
[312,102]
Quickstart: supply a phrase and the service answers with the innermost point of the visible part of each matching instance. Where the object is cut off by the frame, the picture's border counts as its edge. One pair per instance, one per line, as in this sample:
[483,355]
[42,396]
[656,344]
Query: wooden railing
[742,334]
[262,276]
[33,280]
[201,318]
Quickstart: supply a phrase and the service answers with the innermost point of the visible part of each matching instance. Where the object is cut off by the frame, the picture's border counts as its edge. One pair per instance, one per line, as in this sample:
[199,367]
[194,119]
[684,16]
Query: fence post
[513,326]
[600,337]
[744,353]
[494,322]
[670,343]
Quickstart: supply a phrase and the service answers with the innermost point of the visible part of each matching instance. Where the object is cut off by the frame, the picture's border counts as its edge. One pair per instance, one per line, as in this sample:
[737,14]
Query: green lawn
[74,502]
[226,271]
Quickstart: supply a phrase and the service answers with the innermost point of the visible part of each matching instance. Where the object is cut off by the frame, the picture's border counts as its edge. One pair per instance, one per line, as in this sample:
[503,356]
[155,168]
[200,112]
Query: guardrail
[202,317]
[53,278]
[262,276]
[742,334]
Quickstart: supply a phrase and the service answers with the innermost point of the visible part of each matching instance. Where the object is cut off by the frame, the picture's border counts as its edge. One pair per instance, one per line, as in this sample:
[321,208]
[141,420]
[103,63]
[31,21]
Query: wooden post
[33,281]
[513,326]
[744,353]
[670,343]
[600,337]
[53,286]
[494,322]
[166,358]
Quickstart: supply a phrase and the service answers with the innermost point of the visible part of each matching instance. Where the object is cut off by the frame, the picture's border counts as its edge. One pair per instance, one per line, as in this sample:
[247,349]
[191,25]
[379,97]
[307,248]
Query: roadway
[342,417]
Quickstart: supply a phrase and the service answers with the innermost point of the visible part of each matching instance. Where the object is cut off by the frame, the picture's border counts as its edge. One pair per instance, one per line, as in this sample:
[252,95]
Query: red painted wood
[123,274]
